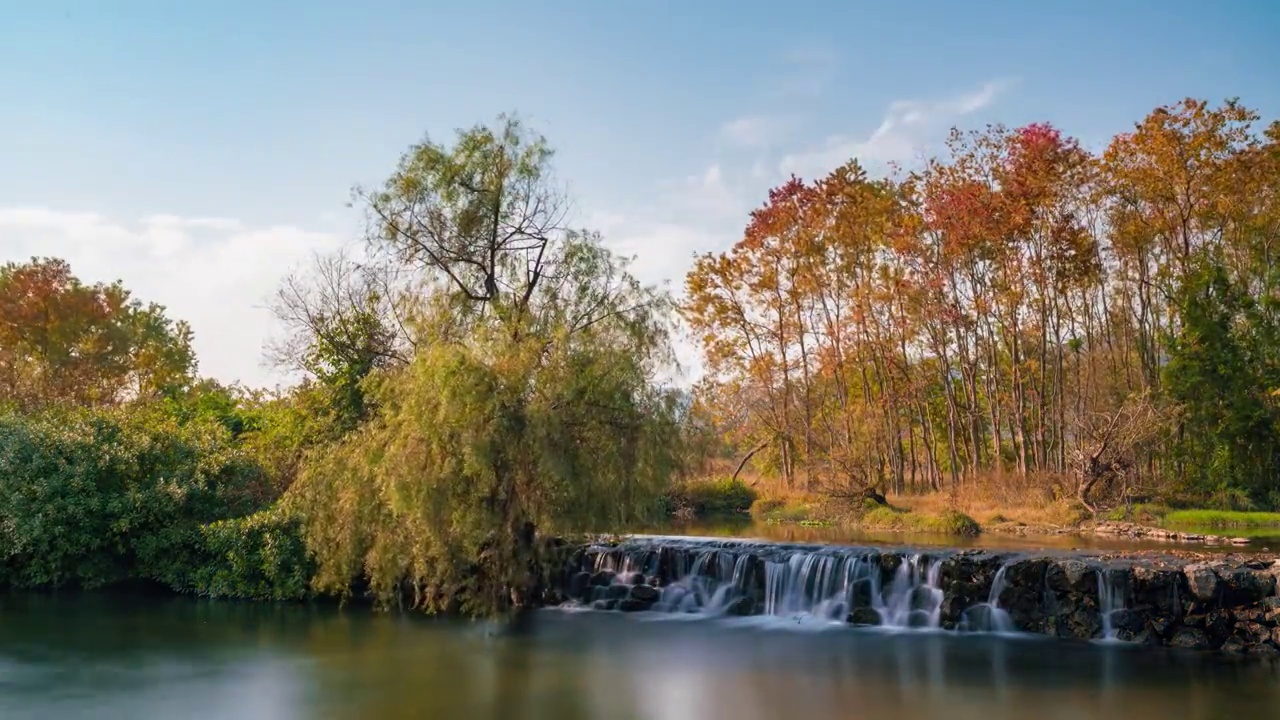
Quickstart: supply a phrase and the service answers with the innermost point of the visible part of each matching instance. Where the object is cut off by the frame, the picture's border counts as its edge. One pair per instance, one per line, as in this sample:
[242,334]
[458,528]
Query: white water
[1111,598]
[800,585]
[989,616]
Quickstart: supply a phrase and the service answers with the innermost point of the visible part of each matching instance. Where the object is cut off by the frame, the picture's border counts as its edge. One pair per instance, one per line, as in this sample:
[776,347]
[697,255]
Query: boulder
[1232,646]
[630,578]
[633,605]
[1072,576]
[604,577]
[741,607]
[1253,633]
[1244,586]
[578,584]
[645,593]
[1202,581]
[864,616]
[617,592]
[1189,639]
[1162,589]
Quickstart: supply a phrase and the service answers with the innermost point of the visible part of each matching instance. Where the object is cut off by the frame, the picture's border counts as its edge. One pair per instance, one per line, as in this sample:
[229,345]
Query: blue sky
[199,150]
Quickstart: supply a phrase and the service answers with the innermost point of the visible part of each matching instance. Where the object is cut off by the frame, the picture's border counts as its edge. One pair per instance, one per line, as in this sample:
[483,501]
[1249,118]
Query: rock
[741,607]
[604,604]
[1128,620]
[604,577]
[1252,633]
[1162,589]
[630,578]
[1072,576]
[1189,639]
[617,592]
[633,605]
[1264,649]
[1232,646]
[1239,541]
[864,616]
[1202,581]
[645,593]
[578,584]
[1244,587]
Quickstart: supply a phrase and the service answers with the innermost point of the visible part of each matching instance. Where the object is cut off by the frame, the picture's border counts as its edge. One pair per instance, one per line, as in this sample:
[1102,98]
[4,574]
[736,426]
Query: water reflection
[791,532]
[140,658]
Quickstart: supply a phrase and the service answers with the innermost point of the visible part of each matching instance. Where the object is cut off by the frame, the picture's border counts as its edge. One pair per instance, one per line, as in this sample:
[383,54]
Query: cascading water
[914,598]
[1111,599]
[821,584]
[989,616]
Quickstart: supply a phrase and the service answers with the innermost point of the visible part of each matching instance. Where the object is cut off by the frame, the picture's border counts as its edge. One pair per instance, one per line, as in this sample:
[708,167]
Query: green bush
[259,557]
[86,495]
[709,497]
[764,508]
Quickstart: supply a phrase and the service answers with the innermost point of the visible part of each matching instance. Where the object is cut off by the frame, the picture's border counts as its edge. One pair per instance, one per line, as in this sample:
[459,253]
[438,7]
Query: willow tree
[530,405]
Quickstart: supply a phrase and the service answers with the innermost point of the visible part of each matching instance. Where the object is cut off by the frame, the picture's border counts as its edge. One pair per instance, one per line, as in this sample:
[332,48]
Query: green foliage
[258,557]
[529,404]
[475,447]
[711,496]
[1220,367]
[86,496]
[948,522]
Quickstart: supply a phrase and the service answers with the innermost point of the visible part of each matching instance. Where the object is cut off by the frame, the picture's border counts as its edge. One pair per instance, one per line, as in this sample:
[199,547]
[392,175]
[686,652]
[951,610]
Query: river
[108,656]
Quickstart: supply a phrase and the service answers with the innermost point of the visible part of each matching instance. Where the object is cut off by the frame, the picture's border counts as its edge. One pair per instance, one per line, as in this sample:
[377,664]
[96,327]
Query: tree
[342,321]
[63,342]
[529,404]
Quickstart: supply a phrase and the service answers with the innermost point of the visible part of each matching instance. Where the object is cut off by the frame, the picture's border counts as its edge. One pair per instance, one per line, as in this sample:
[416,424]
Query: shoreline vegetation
[1019,335]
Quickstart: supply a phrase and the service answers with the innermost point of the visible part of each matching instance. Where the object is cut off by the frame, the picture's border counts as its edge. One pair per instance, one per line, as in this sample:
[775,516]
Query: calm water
[1261,542]
[99,657]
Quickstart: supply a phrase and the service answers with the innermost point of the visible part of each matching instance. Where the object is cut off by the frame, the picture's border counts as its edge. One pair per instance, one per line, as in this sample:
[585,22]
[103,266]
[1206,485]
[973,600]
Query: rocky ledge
[1227,604]
[1144,532]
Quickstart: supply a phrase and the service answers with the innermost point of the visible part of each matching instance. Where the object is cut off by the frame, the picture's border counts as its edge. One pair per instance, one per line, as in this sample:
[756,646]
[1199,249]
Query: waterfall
[914,598]
[1111,599]
[989,616]
[799,583]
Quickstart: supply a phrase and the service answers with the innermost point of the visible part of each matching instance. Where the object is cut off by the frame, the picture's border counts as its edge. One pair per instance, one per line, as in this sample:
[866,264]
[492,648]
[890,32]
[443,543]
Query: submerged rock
[864,616]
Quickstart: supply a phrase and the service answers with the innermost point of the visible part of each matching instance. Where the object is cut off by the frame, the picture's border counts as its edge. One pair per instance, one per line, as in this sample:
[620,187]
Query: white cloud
[215,273]
[754,131]
[907,128]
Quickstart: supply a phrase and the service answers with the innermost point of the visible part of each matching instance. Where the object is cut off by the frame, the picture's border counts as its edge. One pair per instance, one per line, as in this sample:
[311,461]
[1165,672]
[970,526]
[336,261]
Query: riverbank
[967,515]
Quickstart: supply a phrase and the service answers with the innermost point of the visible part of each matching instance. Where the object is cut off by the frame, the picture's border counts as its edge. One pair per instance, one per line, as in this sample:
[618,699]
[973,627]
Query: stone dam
[1228,605]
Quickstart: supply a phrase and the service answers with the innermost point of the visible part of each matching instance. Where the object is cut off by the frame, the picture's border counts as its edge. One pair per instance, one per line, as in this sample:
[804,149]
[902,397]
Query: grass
[1222,519]
[816,511]
[711,497]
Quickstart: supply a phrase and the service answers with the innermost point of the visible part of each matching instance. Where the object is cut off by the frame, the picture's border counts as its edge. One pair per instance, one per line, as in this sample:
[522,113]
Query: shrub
[258,557]
[708,497]
[83,494]
[764,507]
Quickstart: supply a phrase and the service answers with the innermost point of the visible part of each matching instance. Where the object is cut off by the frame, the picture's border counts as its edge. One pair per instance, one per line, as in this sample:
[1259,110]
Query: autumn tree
[64,342]
[1002,309]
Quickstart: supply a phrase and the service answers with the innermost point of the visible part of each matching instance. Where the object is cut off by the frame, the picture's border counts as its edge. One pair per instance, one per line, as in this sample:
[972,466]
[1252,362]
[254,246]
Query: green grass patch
[1145,513]
[1222,519]
[711,497]
[949,522]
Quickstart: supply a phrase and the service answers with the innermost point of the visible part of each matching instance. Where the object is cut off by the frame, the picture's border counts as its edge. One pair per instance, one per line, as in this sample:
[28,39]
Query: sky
[200,151]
